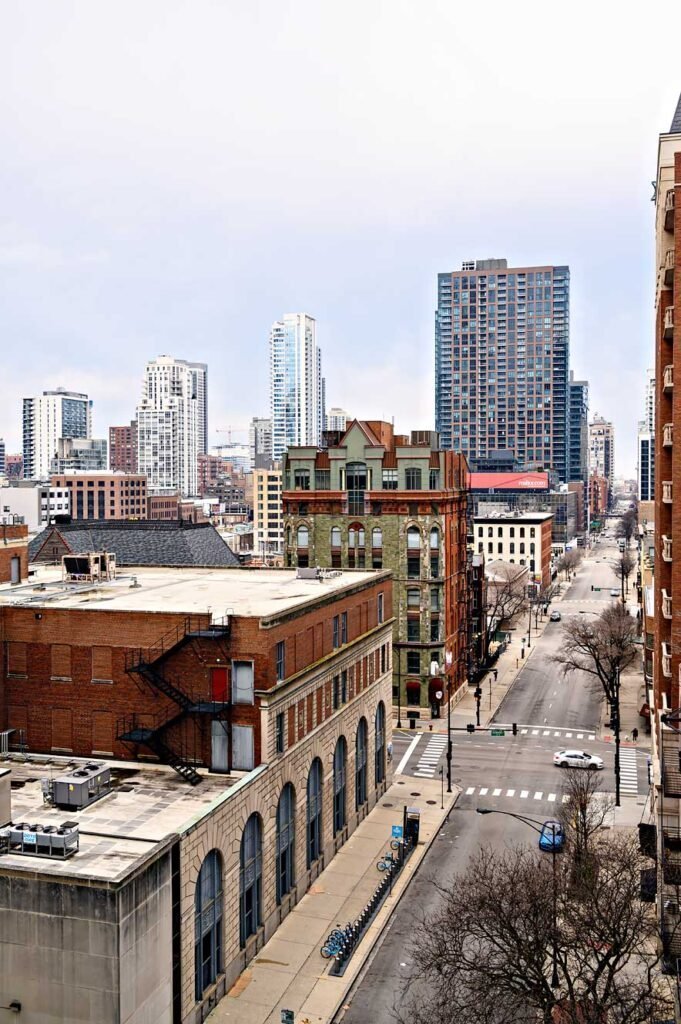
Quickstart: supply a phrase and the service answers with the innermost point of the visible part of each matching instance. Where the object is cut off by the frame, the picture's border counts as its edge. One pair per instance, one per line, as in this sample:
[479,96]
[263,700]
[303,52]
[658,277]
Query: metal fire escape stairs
[148,664]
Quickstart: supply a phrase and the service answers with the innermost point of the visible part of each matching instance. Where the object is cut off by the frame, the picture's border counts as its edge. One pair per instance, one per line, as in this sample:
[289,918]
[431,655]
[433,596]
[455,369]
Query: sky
[177,174]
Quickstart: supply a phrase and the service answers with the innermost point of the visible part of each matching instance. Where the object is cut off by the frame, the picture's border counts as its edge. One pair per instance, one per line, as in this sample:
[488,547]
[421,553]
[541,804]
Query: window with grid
[285,842]
[412,479]
[250,879]
[314,812]
[361,764]
[379,747]
[339,767]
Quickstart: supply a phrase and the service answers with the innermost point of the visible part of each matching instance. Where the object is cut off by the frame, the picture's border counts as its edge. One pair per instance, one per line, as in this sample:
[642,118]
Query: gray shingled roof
[150,542]
[676,120]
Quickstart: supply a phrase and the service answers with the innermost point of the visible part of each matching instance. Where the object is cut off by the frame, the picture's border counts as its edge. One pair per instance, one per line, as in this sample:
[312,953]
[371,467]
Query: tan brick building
[104,495]
[270,693]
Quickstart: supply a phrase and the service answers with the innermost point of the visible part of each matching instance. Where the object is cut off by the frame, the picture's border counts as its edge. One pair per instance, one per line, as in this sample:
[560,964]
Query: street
[508,773]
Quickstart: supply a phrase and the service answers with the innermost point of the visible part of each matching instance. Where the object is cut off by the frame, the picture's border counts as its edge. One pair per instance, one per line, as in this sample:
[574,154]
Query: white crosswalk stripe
[523,794]
[430,756]
[628,772]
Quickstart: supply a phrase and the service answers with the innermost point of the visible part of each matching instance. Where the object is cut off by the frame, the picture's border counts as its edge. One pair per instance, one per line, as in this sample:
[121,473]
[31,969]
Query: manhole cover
[431,801]
[400,783]
[414,794]
[387,805]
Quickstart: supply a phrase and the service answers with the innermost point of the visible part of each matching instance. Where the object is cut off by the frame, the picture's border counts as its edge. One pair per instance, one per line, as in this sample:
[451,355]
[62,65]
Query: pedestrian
[390,752]
[495,673]
[634,735]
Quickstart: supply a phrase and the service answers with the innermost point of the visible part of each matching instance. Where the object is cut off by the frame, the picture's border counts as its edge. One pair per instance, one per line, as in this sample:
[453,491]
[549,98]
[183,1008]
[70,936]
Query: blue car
[551,837]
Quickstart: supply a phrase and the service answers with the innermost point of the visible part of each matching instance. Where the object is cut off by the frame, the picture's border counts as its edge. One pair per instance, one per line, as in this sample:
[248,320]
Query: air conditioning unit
[37,840]
[82,786]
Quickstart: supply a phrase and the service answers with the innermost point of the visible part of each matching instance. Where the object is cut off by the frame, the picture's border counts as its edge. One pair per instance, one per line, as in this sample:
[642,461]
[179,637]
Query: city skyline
[95,278]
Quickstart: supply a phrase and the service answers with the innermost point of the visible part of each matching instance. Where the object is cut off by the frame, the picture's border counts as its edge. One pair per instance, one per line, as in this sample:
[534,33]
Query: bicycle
[386,862]
[335,940]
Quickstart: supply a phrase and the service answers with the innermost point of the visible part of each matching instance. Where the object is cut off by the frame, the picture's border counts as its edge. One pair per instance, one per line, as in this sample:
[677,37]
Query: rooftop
[513,516]
[146,806]
[219,592]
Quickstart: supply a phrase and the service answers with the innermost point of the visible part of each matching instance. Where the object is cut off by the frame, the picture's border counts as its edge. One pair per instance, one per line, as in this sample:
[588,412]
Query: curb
[371,942]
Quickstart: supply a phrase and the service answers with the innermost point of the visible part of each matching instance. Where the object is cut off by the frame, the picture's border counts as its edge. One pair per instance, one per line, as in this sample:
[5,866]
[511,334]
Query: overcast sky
[176,175]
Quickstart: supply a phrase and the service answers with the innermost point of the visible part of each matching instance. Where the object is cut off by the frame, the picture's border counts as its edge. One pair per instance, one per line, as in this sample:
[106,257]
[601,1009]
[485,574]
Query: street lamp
[538,826]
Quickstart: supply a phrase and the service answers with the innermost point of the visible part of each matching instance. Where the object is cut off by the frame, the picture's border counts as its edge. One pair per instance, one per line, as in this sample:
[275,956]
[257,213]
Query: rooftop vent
[93,567]
[35,840]
[80,787]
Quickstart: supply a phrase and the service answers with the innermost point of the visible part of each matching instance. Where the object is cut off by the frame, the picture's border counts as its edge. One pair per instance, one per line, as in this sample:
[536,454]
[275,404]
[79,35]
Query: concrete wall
[145,946]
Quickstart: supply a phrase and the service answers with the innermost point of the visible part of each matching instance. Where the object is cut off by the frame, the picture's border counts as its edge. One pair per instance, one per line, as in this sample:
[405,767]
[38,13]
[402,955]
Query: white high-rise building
[172,424]
[337,419]
[646,443]
[46,419]
[296,384]
[602,449]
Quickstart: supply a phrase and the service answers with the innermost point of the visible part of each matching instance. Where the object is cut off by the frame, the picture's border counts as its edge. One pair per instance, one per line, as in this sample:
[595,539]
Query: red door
[218,684]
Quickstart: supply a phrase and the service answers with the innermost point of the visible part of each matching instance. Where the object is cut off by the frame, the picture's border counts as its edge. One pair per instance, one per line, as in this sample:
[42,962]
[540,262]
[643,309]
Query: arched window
[339,764]
[435,539]
[435,553]
[379,750]
[250,879]
[303,536]
[361,764]
[314,812]
[208,924]
[413,539]
[335,537]
[285,841]
[356,544]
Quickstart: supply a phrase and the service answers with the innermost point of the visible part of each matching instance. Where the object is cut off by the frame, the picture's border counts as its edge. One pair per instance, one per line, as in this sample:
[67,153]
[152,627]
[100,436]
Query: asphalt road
[508,773]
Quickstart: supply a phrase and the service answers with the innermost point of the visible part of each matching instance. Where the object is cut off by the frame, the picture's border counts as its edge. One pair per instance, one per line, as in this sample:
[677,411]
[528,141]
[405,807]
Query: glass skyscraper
[501,364]
[296,384]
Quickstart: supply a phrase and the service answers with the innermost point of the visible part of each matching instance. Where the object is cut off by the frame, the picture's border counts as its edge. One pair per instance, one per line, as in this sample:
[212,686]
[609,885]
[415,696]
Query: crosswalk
[432,752]
[520,794]
[628,772]
[558,734]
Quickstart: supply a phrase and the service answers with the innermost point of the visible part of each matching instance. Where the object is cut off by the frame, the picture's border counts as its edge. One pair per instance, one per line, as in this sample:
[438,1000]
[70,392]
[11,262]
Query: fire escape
[149,665]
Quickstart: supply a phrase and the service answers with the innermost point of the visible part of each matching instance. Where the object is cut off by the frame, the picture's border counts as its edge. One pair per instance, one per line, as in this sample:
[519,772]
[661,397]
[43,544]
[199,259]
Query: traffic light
[470,727]
[515,728]
[477,693]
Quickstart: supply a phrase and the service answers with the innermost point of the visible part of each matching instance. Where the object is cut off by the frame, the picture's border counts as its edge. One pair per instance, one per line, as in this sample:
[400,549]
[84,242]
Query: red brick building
[599,495]
[123,448]
[104,495]
[214,668]
[13,552]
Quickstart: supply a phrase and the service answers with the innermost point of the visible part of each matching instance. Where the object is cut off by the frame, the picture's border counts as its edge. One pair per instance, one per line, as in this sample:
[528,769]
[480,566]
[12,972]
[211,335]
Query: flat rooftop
[512,516]
[146,805]
[226,591]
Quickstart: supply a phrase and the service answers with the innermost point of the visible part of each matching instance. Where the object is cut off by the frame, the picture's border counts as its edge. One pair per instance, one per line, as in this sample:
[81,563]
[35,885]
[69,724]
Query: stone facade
[406,510]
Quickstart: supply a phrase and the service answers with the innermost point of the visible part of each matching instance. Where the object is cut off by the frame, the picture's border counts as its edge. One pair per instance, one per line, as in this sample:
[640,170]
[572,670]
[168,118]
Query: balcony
[666,604]
[669,203]
[666,548]
[668,378]
[669,323]
[669,268]
[666,661]
[668,435]
[671,763]
[667,492]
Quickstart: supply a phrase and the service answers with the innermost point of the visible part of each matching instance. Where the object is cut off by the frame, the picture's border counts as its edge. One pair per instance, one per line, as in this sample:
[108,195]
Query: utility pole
[616,712]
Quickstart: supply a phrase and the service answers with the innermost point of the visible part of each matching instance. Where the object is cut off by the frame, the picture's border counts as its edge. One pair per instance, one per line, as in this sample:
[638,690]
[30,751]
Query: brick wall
[13,544]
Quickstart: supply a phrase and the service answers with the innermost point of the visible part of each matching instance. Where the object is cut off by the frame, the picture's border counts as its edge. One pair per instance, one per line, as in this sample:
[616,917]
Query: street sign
[287,1017]
[438,695]
[397,831]
[497,732]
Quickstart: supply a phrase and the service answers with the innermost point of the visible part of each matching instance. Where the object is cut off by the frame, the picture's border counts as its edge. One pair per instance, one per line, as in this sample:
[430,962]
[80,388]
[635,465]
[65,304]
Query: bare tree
[545,596]
[485,955]
[627,526]
[569,561]
[602,648]
[624,566]
[582,815]
[506,595]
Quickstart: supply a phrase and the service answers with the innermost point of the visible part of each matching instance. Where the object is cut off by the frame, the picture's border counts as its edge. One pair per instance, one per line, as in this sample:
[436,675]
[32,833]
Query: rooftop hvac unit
[40,840]
[91,567]
[82,786]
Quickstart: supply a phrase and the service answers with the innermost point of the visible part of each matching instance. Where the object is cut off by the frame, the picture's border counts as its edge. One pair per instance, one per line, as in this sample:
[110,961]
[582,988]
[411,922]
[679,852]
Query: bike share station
[342,942]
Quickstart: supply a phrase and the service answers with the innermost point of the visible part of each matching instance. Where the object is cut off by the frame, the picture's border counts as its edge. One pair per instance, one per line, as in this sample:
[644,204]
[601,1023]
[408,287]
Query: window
[322,479]
[285,841]
[434,630]
[389,479]
[335,689]
[279,733]
[413,693]
[500,531]
[413,539]
[250,879]
[532,531]
[356,542]
[413,630]
[490,548]
[335,537]
[434,599]
[435,553]
[303,536]
[336,631]
[242,682]
[380,608]
[344,627]
[522,531]
[434,479]
[413,599]
[413,663]
[500,548]
[511,531]
[314,812]
[356,483]
[208,924]
[511,547]
[490,531]
[412,479]
[301,479]
[522,547]
[377,537]
[339,764]
[480,531]
[281,659]
[379,749]
[361,764]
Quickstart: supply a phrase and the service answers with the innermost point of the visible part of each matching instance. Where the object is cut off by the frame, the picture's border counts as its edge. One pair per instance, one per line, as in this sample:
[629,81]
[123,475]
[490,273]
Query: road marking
[523,732]
[483,792]
[535,732]
[556,734]
[551,798]
[546,732]
[524,794]
[568,735]
[510,792]
[538,796]
[565,798]
[496,792]
[424,775]
[470,791]
[580,735]
[409,751]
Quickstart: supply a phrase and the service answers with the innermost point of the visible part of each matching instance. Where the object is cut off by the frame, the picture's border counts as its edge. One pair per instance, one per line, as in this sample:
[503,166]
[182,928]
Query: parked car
[551,836]
[577,759]
[614,592]
[555,616]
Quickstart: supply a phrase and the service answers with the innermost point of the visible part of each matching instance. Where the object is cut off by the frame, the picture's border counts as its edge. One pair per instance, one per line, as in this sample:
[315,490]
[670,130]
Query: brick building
[373,498]
[268,692]
[599,496]
[520,538]
[104,495]
[123,448]
[13,550]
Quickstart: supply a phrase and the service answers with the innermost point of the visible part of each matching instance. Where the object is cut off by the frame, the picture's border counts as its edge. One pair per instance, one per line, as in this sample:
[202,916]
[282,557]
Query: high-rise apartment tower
[46,419]
[646,443]
[296,384]
[602,449]
[502,339]
[172,425]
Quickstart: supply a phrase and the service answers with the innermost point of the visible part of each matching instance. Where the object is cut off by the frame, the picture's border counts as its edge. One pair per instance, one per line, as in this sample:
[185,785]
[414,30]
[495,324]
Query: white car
[577,759]
[614,592]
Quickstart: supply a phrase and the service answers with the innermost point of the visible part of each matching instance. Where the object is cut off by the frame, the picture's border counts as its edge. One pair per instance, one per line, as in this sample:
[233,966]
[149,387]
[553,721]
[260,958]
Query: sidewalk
[289,972]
